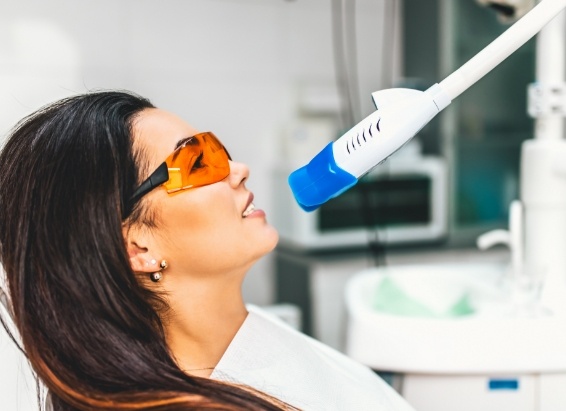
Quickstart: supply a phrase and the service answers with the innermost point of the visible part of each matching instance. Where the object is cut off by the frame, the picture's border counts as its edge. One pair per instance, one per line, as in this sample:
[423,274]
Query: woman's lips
[250,210]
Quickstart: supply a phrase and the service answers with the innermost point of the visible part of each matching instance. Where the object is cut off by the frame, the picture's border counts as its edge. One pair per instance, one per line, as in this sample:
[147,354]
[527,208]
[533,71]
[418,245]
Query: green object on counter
[461,308]
[391,299]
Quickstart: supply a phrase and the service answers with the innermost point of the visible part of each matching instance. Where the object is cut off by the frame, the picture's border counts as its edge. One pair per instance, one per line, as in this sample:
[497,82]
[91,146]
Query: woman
[125,270]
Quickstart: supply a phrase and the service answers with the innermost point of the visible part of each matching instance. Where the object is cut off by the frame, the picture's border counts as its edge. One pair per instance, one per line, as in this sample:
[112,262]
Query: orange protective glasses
[197,161]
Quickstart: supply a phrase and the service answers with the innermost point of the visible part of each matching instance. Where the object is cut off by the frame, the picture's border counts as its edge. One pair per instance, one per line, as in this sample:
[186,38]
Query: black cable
[377,242]
[389,27]
[340,64]
[351,51]
[345,49]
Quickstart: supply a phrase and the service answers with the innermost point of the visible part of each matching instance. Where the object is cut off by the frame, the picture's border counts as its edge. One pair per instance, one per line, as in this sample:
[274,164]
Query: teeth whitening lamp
[402,113]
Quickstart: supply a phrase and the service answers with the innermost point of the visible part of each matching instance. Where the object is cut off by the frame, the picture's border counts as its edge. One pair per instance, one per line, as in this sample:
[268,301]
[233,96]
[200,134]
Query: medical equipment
[512,355]
[400,114]
[500,357]
[405,202]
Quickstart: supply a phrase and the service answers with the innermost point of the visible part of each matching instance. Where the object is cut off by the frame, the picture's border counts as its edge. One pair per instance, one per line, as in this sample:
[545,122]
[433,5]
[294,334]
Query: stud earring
[158,275]
[155,277]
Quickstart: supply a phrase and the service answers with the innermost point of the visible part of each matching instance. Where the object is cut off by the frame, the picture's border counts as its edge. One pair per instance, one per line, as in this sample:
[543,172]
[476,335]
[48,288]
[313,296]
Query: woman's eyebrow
[182,141]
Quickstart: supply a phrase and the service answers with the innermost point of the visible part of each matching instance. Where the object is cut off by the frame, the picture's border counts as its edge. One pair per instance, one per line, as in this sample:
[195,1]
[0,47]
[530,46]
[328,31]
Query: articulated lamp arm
[402,113]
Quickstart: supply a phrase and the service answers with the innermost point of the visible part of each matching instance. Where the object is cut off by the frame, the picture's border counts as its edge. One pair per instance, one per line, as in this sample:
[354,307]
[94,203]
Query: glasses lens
[201,160]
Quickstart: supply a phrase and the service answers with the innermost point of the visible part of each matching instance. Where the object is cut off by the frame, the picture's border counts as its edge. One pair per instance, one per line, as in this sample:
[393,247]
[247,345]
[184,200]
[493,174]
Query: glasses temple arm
[158,177]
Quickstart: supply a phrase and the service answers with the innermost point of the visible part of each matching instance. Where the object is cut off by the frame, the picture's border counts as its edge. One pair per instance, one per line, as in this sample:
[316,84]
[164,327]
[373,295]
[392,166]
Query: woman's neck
[204,318]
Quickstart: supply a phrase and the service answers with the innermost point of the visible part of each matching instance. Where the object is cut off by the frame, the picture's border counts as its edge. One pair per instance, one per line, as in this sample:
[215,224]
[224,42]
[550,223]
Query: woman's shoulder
[268,322]
[272,356]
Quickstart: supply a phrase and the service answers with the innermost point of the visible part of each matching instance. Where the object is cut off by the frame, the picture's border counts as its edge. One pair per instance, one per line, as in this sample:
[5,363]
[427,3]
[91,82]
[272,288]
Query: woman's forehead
[157,132]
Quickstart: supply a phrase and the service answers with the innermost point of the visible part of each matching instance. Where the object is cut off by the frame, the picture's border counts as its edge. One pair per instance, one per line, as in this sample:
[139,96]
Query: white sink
[498,337]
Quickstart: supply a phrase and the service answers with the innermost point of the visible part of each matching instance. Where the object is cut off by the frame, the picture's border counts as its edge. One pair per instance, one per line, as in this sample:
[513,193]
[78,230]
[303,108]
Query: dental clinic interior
[442,266]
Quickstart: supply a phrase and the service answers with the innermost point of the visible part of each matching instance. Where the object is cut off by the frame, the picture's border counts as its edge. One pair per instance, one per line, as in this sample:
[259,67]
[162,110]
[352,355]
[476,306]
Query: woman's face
[200,231]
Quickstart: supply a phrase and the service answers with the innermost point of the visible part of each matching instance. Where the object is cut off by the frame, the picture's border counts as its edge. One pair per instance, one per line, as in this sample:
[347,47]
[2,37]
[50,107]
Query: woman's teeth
[249,210]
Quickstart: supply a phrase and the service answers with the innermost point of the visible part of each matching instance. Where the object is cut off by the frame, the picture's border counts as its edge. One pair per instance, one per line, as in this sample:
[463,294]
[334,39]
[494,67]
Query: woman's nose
[239,172]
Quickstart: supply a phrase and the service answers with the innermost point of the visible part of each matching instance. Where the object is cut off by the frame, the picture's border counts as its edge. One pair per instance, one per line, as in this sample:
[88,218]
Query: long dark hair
[89,329]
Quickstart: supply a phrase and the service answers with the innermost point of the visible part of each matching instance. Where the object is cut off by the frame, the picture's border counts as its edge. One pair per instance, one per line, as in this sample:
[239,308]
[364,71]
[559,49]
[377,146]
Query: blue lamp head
[319,181]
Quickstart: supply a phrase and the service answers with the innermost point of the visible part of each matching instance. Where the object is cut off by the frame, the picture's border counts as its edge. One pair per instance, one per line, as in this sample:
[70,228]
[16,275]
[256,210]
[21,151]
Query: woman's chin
[270,240]
[275,238]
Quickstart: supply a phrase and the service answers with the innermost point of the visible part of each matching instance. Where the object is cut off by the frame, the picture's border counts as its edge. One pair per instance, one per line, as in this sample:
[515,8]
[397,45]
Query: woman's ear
[141,259]
[142,262]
